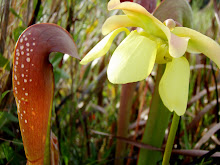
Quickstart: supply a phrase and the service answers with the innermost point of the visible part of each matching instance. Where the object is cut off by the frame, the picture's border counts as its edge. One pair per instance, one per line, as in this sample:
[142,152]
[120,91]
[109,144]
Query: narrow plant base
[170,140]
[127,92]
[158,119]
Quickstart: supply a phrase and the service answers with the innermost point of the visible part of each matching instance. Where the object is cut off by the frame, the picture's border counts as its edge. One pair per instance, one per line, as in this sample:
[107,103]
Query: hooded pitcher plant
[33,85]
[157,42]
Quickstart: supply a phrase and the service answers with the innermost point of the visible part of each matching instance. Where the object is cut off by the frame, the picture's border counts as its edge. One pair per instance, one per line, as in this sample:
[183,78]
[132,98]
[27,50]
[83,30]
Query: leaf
[10,117]
[201,113]
[178,10]
[17,32]
[4,62]
[8,151]
[34,92]
[4,94]
[5,116]
[200,94]
[16,15]
[54,149]
[207,136]
[55,60]
[58,74]
[150,5]
[8,131]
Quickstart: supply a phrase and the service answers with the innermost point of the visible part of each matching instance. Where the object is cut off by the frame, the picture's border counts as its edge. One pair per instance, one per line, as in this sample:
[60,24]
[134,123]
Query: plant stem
[158,120]
[126,98]
[170,141]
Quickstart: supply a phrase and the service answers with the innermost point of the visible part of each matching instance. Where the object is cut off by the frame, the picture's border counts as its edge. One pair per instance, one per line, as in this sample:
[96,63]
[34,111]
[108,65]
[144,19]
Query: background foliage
[85,100]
